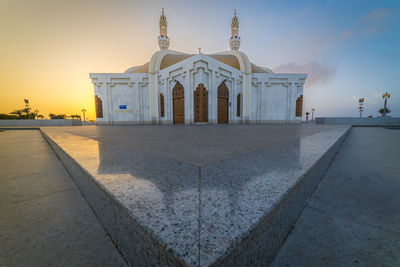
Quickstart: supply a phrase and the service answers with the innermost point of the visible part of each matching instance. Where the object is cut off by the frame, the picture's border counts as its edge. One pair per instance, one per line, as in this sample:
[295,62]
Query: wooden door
[178,99]
[200,104]
[299,106]
[223,103]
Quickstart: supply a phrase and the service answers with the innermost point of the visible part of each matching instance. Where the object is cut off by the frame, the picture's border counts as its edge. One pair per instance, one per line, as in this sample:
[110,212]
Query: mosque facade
[180,88]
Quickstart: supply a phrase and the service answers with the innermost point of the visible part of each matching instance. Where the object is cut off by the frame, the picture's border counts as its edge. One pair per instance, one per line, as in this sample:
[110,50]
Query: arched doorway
[178,99]
[200,104]
[223,100]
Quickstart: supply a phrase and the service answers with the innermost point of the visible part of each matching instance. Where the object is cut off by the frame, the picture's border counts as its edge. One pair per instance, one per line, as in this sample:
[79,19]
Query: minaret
[163,40]
[234,41]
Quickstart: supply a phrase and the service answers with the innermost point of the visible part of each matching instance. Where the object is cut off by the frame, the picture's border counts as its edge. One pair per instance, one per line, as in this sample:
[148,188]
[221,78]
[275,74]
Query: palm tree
[76,117]
[18,113]
[57,117]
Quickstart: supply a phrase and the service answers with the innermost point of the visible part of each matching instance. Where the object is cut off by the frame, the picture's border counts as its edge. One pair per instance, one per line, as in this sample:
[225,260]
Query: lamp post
[385,96]
[84,111]
[360,106]
[312,113]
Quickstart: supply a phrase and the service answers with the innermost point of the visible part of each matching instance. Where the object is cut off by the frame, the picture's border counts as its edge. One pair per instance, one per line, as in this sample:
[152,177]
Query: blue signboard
[122,106]
[230,104]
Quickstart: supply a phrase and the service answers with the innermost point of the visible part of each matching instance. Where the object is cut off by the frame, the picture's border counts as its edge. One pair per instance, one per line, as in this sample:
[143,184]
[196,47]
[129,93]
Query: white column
[246,97]
[188,100]
[153,98]
[288,92]
[214,98]
[109,104]
[293,97]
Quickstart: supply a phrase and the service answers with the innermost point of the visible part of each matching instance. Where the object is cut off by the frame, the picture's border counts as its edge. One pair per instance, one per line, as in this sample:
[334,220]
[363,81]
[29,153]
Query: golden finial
[235,25]
[163,24]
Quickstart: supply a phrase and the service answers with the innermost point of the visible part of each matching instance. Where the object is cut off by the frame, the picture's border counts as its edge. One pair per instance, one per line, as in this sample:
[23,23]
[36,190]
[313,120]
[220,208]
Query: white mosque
[179,88]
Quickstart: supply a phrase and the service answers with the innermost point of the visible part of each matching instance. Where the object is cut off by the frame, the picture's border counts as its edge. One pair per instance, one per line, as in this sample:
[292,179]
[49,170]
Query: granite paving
[198,189]
[194,144]
[353,218]
[45,221]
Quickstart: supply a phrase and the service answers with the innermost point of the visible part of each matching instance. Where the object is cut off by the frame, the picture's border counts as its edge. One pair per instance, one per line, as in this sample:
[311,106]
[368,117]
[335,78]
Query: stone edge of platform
[140,248]
[265,240]
[136,245]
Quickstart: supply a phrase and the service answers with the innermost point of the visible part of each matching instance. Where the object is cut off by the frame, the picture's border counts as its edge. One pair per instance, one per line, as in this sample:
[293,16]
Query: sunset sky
[349,49]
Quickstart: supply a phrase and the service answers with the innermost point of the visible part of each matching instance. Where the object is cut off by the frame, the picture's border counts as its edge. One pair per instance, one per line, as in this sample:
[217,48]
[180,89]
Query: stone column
[153,98]
[188,85]
[246,97]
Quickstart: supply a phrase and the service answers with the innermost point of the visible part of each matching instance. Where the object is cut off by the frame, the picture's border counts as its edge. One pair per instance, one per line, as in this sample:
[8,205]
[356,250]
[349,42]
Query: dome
[258,69]
[229,60]
[165,58]
[139,69]
[172,59]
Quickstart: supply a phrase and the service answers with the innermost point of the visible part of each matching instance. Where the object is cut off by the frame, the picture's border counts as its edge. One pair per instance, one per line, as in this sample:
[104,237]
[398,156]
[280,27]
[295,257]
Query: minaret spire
[234,41]
[163,40]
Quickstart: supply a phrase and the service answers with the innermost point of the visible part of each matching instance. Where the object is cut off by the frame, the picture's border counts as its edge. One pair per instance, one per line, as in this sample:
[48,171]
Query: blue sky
[350,49]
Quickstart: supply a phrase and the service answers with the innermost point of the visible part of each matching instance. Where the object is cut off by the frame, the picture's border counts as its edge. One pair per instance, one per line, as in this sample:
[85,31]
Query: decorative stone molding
[234,43]
[163,42]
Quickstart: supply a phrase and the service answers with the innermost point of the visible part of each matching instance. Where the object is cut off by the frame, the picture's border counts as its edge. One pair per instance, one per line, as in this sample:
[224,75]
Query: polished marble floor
[201,188]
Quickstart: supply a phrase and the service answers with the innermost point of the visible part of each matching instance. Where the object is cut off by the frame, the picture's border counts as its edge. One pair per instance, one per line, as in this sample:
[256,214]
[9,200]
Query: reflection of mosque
[227,181]
[176,87]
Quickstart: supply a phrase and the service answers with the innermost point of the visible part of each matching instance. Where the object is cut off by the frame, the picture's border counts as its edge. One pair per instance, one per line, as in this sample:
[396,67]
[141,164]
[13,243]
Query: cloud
[374,22]
[377,20]
[347,34]
[318,74]
[303,12]
[376,15]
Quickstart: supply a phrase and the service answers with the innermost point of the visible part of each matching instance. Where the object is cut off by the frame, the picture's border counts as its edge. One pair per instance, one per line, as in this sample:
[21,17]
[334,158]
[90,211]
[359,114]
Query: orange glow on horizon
[52,46]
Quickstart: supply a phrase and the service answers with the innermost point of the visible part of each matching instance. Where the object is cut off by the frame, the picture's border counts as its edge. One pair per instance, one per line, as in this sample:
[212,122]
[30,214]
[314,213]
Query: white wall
[114,90]
[273,96]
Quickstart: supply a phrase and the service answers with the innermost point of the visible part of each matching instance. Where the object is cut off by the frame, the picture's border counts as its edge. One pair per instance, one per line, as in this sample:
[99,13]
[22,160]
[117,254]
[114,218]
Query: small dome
[229,60]
[171,59]
[139,69]
[258,69]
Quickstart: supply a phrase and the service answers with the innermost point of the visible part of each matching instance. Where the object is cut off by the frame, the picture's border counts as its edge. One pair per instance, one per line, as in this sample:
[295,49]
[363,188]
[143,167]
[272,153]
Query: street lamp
[312,113]
[83,111]
[360,106]
[385,96]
